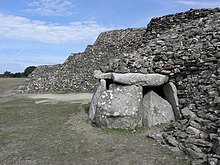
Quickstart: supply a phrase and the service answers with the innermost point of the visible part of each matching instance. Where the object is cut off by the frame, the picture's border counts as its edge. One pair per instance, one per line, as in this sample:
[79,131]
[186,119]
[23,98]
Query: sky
[45,32]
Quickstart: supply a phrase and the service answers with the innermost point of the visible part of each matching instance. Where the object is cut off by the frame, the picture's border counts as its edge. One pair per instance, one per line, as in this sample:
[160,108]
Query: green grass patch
[86,107]
[5,138]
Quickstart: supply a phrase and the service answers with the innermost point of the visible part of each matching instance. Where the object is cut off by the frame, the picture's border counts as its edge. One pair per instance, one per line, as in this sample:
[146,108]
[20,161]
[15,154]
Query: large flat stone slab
[140,79]
[119,107]
[98,74]
[156,110]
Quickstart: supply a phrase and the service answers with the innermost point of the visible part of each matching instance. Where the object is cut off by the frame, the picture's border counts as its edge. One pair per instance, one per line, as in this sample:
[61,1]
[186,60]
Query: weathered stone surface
[193,131]
[212,161]
[118,107]
[99,91]
[156,135]
[187,113]
[216,146]
[194,154]
[198,162]
[156,110]
[140,79]
[170,92]
[100,75]
[172,141]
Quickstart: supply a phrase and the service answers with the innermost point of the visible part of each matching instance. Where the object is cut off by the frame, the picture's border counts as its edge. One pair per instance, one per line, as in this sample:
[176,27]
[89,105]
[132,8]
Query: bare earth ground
[54,129]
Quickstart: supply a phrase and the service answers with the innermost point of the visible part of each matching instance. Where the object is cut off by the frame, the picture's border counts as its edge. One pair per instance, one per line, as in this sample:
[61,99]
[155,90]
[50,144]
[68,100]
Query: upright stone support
[119,107]
[99,91]
[156,110]
[170,93]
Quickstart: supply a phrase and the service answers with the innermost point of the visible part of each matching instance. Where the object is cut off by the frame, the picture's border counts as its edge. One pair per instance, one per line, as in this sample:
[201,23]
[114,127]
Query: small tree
[18,75]
[7,74]
[29,70]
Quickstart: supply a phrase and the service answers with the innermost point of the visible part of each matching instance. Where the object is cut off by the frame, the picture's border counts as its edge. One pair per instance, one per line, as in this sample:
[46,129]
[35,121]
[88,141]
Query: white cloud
[51,7]
[206,4]
[21,28]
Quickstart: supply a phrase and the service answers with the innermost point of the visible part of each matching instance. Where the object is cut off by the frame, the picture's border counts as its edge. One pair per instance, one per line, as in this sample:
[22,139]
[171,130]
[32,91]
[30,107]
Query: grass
[61,133]
[10,83]
[4,138]
[86,107]
[32,127]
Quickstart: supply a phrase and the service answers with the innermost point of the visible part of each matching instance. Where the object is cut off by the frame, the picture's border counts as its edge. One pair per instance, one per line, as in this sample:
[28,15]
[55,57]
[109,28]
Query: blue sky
[45,32]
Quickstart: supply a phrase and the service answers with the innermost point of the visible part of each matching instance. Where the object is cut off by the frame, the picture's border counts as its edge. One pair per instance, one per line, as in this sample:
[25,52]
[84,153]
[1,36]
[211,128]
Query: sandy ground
[53,98]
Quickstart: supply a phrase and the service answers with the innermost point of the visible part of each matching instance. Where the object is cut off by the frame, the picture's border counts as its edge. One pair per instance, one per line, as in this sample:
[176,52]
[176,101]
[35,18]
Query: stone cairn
[185,47]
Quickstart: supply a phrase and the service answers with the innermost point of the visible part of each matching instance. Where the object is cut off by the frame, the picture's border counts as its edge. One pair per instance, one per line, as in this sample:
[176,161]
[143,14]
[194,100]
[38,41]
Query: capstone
[140,79]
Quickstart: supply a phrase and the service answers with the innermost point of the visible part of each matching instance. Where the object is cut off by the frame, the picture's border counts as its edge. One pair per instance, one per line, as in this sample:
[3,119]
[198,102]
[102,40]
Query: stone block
[119,107]
[156,110]
[187,113]
[170,93]
[98,74]
[99,91]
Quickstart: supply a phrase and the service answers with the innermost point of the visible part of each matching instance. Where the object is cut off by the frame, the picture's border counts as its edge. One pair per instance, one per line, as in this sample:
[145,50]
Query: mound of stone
[76,73]
[186,48]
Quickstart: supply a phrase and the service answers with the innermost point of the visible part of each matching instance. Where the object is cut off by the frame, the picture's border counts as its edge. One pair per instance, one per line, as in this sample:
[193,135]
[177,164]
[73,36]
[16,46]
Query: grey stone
[182,134]
[170,92]
[118,107]
[216,146]
[172,141]
[194,154]
[217,54]
[155,135]
[212,161]
[217,100]
[187,113]
[202,143]
[213,136]
[198,162]
[99,91]
[140,79]
[100,75]
[156,110]
[193,131]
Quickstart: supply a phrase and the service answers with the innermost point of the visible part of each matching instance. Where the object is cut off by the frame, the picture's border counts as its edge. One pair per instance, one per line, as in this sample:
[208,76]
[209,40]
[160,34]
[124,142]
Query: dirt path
[53,98]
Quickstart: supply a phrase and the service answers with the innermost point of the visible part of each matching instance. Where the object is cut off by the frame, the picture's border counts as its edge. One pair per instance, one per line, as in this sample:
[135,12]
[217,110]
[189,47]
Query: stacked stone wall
[76,73]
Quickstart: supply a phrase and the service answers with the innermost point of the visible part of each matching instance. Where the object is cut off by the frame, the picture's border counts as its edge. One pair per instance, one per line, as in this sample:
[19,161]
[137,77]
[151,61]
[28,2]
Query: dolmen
[133,100]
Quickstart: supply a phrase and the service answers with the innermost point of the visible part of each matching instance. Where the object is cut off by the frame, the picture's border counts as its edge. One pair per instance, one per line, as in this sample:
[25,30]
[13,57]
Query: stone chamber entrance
[131,100]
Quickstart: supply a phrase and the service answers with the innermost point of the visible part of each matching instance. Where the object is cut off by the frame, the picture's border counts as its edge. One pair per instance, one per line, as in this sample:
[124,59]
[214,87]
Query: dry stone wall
[76,73]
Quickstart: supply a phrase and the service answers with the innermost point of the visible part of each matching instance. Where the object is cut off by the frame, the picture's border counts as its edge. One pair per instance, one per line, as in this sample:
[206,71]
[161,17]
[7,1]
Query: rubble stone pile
[76,73]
